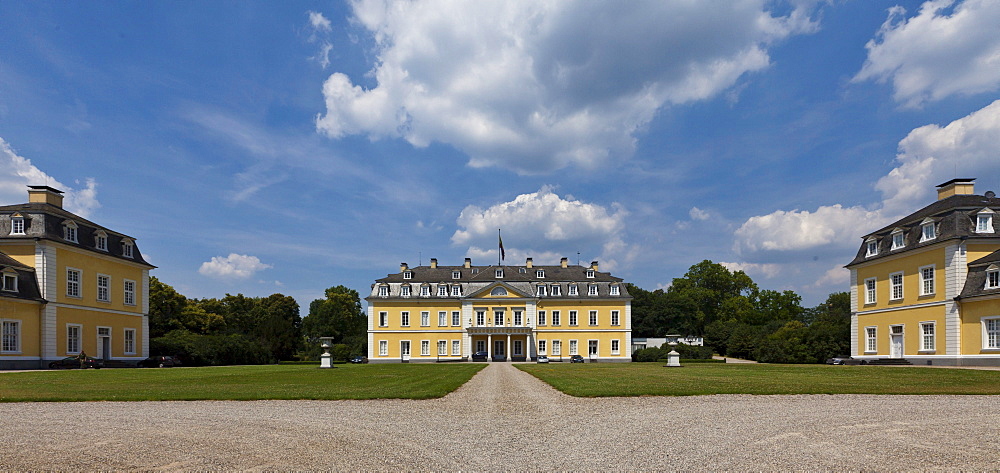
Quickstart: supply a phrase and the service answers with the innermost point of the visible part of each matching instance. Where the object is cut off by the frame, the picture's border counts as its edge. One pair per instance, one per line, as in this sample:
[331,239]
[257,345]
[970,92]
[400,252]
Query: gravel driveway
[506,419]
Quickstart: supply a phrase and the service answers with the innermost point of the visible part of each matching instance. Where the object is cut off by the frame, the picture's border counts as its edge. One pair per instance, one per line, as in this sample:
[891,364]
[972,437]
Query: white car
[542,359]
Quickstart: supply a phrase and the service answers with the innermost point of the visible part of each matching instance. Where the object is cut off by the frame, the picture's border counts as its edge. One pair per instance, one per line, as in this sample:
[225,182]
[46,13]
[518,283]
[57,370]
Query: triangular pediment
[499,290]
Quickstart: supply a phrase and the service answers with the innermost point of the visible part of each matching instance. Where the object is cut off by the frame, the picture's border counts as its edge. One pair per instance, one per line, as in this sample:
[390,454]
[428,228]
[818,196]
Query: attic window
[101,241]
[984,221]
[383,291]
[872,247]
[498,291]
[615,290]
[556,290]
[592,290]
[927,231]
[539,274]
[17,225]
[499,273]
[10,282]
[992,277]
[590,273]
[442,290]
[522,270]
[69,231]
[127,246]
[456,275]
[407,274]
[425,290]
[540,291]
[897,240]
[404,290]
[456,290]
[573,290]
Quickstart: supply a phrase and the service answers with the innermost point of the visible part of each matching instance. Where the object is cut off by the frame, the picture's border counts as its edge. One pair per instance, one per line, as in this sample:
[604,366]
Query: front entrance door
[498,348]
[896,347]
[404,350]
[104,342]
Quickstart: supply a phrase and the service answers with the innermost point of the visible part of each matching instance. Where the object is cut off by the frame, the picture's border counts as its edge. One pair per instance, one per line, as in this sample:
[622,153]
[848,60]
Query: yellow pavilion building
[499,313]
[70,286]
[927,287]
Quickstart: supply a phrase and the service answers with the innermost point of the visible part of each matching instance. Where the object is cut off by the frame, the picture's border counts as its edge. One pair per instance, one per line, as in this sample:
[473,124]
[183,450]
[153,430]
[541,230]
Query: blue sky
[258,147]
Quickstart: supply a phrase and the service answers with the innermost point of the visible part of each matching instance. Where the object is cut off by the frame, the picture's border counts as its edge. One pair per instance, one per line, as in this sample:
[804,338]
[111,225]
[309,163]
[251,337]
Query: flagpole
[500,250]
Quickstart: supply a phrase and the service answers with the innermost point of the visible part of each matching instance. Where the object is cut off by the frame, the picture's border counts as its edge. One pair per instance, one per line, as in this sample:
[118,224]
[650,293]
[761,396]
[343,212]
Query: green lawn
[653,379]
[244,383]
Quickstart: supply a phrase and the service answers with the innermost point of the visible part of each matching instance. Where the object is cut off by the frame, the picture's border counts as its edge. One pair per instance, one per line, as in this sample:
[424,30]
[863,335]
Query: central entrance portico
[503,343]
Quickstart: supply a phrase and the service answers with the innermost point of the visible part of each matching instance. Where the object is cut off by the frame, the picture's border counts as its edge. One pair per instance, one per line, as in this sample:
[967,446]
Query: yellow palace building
[927,287]
[501,313]
[69,286]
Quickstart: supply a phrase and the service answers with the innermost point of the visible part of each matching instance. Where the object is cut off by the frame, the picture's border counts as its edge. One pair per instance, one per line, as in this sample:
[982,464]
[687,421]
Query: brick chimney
[45,195]
[959,186]
[468,263]
[593,265]
[564,262]
[434,263]
[528,263]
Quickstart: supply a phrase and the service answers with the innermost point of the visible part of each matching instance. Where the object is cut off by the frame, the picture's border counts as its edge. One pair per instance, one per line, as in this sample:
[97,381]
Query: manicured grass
[242,383]
[653,379]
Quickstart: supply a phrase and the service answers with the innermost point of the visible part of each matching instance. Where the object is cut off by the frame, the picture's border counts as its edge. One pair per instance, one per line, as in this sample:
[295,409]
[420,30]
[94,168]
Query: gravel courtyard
[504,419]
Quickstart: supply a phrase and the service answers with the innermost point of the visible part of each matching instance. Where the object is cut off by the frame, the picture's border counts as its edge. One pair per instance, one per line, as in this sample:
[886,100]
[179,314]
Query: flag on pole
[503,255]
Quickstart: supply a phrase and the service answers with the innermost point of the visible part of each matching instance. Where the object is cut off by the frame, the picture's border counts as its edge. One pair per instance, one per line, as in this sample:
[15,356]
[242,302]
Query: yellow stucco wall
[24,254]
[910,319]
[909,264]
[415,337]
[90,320]
[91,265]
[28,314]
[973,312]
[583,308]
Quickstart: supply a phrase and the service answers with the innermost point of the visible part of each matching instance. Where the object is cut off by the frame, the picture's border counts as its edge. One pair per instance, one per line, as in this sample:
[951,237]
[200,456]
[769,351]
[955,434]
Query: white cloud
[768,270]
[321,28]
[544,226]
[797,230]
[948,48]
[698,214]
[834,277]
[17,172]
[233,266]
[535,86]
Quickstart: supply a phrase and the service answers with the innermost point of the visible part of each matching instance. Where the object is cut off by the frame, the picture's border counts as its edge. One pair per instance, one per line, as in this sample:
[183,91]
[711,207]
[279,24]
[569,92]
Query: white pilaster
[855,343]
[956,271]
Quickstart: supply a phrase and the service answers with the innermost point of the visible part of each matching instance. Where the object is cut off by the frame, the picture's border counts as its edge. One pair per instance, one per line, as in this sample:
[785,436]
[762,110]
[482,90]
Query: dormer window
[456,290]
[69,231]
[540,291]
[383,291]
[615,290]
[573,290]
[425,290]
[407,274]
[984,221]
[993,277]
[17,225]
[456,275]
[10,281]
[556,290]
[592,290]
[442,290]
[539,274]
[897,239]
[522,270]
[499,273]
[927,230]
[872,247]
[590,273]
[404,291]
[127,246]
[101,240]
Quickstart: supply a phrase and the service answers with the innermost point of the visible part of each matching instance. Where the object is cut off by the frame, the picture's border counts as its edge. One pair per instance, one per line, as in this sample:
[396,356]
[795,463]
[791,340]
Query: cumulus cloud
[835,276]
[320,29]
[535,86]
[17,172]
[544,226]
[698,214]
[233,266]
[801,229]
[948,48]
[767,270]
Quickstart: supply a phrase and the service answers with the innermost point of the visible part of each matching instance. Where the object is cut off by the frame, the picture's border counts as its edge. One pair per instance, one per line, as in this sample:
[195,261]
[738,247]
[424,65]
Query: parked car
[159,362]
[359,359]
[72,362]
[479,356]
[576,359]
[542,359]
[844,360]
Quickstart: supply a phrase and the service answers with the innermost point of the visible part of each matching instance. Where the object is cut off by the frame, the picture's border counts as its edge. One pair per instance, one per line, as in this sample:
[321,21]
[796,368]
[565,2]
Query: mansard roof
[27,284]
[52,219]
[421,274]
[954,218]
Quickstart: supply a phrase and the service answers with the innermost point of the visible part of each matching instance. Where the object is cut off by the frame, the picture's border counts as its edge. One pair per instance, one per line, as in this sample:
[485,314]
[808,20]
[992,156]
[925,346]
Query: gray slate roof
[27,284]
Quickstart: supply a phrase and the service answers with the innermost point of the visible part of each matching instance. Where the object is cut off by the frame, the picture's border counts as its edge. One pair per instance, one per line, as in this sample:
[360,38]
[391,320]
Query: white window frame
[992,277]
[499,273]
[923,271]
[442,290]
[407,274]
[616,318]
[101,241]
[127,247]
[542,347]
[556,290]
[10,281]
[128,292]
[70,230]
[592,289]
[590,273]
[456,347]
[615,291]
[129,341]
[442,347]
[383,348]
[456,275]
[383,319]
[984,221]
[927,337]
[991,332]
[74,340]
[499,317]
[555,318]
[425,290]
[574,290]
[898,240]
[928,231]
[103,288]
[871,296]
[540,274]
[574,347]
[593,348]
[383,291]
[480,318]
[442,318]
[425,318]
[10,336]
[518,317]
[616,347]
[573,319]
[893,296]
[425,348]
[456,318]
[540,290]
[871,339]
[17,226]
[872,247]
[541,318]
[74,283]
[556,347]
[593,318]
[404,291]
[456,290]
[404,318]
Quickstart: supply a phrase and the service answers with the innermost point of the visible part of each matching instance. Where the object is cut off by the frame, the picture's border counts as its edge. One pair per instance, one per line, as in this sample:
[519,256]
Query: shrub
[648,354]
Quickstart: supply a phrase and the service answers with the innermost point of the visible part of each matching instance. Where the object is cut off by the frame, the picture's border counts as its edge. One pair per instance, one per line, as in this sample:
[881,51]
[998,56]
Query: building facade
[927,287]
[70,286]
[508,313]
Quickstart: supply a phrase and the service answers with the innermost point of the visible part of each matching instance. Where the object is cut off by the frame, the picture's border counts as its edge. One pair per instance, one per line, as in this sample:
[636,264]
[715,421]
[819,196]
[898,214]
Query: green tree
[338,316]
[166,307]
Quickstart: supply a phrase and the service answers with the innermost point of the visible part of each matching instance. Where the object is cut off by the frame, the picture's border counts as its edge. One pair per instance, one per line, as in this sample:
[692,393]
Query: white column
[489,347]
[506,353]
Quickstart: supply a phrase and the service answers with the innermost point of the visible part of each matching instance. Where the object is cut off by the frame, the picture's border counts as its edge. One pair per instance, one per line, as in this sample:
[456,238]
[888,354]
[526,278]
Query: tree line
[237,329]
[739,319]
